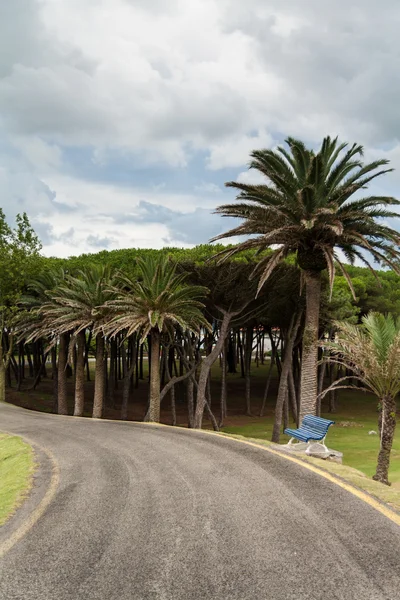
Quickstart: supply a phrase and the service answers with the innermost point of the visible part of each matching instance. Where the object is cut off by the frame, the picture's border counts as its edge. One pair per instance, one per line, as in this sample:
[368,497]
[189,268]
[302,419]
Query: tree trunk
[283,389]
[127,374]
[80,375]
[29,359]
[40,372]
[205,368]
[321,379]
[248,353]
[168,363]
[2,382]
[99,380]
[154,409]
[309,363]
[271,365]
[112,379]
[388,426]
[332,393]
[231,354]
[62,406]
[21,369]
[87,348]
[190,401]
[141,362]
[292,394]
[224,369]
[4,363]
[240,347]
[54,374]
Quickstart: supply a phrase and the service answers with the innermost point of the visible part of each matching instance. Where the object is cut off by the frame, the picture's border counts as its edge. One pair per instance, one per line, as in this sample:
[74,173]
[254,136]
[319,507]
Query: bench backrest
[316,423]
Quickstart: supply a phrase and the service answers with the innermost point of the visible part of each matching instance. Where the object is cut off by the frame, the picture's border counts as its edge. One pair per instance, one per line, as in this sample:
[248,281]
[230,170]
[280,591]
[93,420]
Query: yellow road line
[382,508]
[385,510]
[40,509]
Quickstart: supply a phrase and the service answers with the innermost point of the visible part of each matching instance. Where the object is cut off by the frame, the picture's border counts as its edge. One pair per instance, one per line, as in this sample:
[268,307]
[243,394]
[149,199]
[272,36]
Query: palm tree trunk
[99,378]
[248,355]
[387,434]
[80,375]
[309,363]
[62,406]
[54,374]
[154,409]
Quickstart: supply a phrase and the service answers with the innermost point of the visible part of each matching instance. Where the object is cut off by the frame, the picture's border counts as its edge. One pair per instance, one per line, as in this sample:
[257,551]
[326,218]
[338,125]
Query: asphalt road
[143,512]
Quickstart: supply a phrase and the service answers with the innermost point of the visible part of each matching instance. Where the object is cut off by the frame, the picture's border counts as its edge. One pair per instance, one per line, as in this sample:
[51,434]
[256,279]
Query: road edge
[18,525]
[362,495]
[378,505]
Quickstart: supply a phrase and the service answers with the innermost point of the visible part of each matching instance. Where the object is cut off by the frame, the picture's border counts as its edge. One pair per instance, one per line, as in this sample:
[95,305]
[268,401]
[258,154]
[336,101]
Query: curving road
[143,512]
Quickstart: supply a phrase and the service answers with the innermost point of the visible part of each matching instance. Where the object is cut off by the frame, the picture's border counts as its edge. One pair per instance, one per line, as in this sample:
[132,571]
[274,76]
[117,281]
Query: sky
[121,120]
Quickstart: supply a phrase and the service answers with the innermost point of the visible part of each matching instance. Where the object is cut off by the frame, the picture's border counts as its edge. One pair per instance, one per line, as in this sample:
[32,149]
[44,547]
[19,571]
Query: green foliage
[78,302]
[305,207]
[20,260]
[371,352]
[159,298]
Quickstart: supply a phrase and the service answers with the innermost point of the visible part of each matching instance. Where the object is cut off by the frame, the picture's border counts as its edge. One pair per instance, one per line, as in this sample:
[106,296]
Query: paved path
[155,513]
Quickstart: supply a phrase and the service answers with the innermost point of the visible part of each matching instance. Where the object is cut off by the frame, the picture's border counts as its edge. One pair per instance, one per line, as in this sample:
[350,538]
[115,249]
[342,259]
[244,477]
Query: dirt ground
[42,399]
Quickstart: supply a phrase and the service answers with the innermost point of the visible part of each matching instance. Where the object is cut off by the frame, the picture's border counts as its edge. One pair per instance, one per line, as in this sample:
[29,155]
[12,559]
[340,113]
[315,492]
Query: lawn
[16,469]
[356,417]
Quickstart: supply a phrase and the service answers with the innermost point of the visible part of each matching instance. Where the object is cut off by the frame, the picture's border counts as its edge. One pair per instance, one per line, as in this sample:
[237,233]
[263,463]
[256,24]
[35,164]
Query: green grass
[16,469]
[356,416]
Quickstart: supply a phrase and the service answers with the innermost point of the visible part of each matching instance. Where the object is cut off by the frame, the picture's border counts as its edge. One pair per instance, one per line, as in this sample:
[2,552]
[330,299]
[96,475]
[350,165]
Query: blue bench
[312,429]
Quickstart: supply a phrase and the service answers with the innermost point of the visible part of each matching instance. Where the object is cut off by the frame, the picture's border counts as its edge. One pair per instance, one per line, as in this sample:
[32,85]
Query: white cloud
[234,152]
[115,214]
[157,83]
[251,176]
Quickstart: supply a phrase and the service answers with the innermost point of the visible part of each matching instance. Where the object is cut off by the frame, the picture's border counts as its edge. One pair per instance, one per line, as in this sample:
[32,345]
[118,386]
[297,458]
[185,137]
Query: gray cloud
[195,227]
[296,67]
[169,82]
[96,241]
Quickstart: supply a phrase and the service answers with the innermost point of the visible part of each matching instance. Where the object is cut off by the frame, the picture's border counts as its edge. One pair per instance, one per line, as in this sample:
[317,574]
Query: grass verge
[16,470]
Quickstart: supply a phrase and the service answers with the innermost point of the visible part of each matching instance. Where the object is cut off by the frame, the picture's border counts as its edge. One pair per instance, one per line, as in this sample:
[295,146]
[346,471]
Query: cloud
[98,242]
[107,104]
[235,151]
[195,227]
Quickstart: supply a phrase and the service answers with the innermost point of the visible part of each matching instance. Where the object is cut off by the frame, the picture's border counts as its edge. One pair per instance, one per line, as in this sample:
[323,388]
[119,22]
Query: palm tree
[154,305]
[305,207]
[30,326]
[74,306]
[372,353]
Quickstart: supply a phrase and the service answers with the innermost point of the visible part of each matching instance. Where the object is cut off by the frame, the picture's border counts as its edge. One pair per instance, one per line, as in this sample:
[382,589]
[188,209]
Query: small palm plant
[153,304]
[306,207]
[372,353]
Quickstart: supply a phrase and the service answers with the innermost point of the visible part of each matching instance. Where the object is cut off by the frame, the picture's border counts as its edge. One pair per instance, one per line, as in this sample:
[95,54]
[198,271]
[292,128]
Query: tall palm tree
[372,353]
[77,304]
[306,207]
[154,304]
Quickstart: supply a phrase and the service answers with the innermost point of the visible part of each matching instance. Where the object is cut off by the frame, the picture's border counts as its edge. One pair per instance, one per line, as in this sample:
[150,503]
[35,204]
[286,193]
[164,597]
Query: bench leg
[322,442]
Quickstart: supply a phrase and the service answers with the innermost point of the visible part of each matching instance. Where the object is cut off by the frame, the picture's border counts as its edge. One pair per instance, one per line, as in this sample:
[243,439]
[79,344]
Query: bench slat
[311,428]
